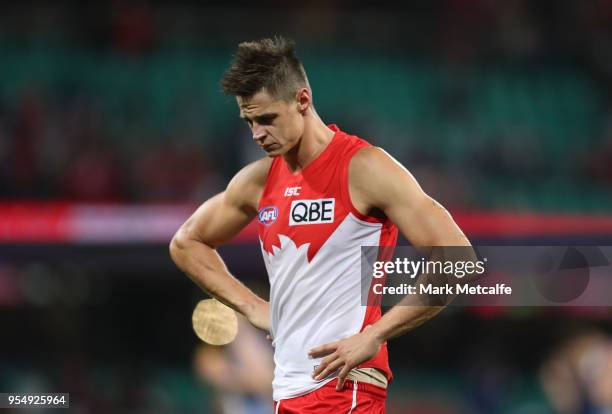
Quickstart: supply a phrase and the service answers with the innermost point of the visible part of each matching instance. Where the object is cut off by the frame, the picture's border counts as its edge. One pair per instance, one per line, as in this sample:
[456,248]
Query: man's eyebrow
[266,116]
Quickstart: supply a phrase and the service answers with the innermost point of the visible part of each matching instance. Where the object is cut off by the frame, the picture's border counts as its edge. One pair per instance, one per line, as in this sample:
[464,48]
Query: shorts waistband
[349,385]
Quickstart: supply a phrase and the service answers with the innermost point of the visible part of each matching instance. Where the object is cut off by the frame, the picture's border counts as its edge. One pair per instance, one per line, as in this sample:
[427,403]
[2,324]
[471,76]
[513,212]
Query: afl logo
[267,215]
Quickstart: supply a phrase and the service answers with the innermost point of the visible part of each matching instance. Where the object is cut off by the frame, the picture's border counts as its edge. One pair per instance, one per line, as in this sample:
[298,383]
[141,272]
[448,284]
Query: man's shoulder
[375,178]
[247,185]
[352,140]
[254,173]
[368,158]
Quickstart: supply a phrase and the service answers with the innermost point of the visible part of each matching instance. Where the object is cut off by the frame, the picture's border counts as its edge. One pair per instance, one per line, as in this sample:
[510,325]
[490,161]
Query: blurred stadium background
[113,129]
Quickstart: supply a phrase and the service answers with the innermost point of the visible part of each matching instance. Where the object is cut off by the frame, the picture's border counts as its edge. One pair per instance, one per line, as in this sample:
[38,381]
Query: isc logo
[267,215]
[312,211]
[292,191]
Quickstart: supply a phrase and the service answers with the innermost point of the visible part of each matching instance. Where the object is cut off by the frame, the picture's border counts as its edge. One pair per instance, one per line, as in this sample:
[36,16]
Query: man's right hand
[258,315]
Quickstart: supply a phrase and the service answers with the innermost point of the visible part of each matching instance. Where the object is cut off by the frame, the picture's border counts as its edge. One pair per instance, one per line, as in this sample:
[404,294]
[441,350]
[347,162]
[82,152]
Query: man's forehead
[261,101]
[259,98]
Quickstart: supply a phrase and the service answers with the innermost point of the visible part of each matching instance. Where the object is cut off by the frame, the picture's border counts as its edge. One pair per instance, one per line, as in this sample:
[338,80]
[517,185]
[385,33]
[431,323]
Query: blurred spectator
[240,373]
[577,378]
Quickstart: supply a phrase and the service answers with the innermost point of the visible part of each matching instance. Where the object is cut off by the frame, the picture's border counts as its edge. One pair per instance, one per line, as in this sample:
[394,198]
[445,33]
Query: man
[319,195]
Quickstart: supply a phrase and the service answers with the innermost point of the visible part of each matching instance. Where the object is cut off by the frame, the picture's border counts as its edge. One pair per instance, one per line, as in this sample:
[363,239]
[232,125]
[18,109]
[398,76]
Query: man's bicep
[217,221]
[420,218]
[425,222]
[222,217]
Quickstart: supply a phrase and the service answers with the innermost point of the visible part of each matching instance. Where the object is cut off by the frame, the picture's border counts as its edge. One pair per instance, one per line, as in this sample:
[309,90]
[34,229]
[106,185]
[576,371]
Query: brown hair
[269,64]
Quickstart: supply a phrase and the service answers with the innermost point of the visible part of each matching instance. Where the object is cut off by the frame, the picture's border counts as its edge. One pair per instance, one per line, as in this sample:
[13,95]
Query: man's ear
[304,100]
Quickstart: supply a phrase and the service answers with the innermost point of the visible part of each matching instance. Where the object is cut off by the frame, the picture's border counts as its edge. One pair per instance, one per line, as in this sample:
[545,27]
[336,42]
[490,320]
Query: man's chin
[275,152]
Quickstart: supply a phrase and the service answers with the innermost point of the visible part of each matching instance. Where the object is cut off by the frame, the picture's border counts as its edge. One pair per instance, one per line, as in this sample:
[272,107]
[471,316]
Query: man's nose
[259,133]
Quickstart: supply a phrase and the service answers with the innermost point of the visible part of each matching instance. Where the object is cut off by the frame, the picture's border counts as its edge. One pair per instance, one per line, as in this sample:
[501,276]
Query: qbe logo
[267,215]
[312,211]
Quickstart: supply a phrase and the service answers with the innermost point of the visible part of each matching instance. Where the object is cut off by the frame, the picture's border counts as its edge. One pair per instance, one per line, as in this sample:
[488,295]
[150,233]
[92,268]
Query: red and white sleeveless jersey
[311,237]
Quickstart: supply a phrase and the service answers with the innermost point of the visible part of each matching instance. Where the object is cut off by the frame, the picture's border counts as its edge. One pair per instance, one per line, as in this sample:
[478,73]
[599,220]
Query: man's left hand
[345,355]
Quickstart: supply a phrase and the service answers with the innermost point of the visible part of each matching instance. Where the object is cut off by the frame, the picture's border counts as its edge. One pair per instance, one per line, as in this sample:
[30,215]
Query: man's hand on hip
[258,314]
[345,355]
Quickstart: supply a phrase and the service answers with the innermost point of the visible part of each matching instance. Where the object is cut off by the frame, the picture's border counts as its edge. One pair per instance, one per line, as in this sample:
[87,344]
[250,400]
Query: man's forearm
[401,319]
[411,312]
[207,269]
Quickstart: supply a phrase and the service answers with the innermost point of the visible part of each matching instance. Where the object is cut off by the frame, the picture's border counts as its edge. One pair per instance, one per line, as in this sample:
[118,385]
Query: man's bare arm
[378,182]
[420,218]
[214,223]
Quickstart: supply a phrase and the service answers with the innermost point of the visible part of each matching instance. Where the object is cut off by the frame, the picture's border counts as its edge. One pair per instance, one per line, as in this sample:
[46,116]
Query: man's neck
[315,139]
